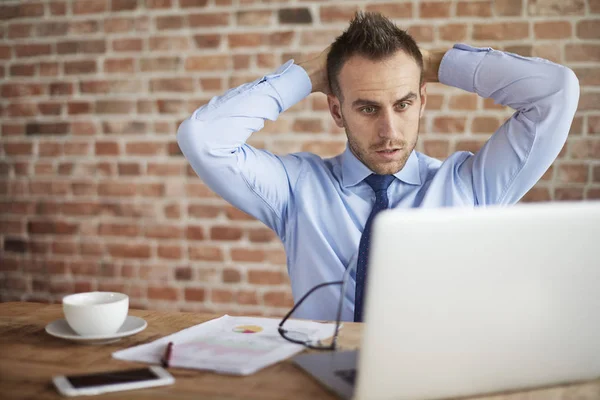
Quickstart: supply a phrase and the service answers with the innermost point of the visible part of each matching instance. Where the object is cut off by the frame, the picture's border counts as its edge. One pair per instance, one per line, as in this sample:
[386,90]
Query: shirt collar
[354,171]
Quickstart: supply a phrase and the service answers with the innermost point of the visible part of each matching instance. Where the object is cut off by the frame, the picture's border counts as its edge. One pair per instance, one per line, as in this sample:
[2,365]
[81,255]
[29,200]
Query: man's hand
[317,71]
[431,64]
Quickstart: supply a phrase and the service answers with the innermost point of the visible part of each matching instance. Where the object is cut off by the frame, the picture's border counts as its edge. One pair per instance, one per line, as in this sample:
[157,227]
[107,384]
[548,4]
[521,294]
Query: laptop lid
[472,301]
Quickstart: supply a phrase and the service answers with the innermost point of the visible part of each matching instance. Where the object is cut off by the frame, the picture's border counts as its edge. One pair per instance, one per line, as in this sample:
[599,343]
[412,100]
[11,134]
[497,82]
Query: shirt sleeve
[213,140]
[545,96]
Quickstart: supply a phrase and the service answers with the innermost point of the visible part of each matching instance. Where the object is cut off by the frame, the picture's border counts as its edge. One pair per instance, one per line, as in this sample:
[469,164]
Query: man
[322,208]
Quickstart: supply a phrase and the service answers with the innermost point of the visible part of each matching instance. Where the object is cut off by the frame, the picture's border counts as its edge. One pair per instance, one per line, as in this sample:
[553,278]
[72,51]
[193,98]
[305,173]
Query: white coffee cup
[96,313]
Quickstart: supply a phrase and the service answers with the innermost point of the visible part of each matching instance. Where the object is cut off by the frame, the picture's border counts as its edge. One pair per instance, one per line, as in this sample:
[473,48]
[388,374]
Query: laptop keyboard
[349,375]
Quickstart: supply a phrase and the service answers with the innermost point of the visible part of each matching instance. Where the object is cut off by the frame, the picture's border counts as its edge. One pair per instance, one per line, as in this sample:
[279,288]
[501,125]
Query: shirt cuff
[291,82]
[459,65]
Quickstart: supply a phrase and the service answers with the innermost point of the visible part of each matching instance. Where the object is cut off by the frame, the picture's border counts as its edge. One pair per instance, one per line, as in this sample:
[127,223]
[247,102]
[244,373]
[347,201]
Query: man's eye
[368,110]
[403,106]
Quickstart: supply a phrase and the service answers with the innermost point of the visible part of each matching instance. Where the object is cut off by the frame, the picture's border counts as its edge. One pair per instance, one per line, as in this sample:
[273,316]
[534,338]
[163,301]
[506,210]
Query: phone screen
[112,378]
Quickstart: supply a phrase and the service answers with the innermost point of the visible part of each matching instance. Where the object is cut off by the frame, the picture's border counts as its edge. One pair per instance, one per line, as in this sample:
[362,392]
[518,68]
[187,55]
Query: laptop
[464,302]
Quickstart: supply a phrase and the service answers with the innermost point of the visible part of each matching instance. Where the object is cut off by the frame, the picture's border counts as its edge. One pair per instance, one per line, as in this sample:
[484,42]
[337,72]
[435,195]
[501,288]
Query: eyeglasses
[303,338]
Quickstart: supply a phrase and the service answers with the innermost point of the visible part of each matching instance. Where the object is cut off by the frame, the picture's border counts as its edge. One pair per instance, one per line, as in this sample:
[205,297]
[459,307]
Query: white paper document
[232,345]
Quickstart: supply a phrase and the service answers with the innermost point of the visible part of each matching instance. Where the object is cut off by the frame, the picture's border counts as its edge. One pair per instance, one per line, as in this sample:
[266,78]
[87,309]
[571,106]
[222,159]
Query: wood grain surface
[29,358]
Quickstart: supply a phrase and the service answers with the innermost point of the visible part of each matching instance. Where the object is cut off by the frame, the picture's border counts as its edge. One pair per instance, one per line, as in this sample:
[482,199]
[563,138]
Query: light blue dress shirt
[318,207]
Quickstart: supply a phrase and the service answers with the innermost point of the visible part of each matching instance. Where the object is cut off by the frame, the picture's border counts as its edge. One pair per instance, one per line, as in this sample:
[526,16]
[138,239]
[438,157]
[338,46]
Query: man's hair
[372,36]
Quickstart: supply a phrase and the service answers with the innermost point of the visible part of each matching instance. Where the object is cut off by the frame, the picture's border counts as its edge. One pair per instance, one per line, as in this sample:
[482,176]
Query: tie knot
[379,182]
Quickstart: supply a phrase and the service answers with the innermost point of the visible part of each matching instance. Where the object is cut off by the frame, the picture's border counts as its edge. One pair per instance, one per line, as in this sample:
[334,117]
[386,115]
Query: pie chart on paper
[247,329]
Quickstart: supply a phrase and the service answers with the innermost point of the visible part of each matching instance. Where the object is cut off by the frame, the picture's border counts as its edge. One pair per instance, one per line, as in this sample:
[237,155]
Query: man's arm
[214,138]
[545,96]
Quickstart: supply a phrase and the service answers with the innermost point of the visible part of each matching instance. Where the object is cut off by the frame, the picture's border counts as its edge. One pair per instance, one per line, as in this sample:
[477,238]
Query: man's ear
[423,99]
[335,108]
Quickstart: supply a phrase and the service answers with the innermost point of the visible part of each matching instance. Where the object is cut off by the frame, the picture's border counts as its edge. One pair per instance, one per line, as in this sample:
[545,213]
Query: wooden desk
[29,357]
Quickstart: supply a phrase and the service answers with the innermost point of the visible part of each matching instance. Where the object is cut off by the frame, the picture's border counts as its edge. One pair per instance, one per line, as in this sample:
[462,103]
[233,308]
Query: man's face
[381,108]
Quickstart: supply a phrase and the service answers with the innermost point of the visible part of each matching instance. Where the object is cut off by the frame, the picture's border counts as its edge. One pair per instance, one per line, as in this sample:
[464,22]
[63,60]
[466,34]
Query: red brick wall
[94,193]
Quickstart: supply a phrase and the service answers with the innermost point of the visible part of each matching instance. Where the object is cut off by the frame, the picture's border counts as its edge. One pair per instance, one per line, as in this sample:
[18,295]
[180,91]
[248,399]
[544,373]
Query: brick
[22,70]
[434,9]
[171,252]
[278,299]
[588,29]
[119,24]
[485,125]
[449,124]
[119,65]
[173,43]
[160,64]
[203,211]
[463,102]
[32,50]
[18,148]
[572,173]
[22,89]
[589,101]
[171,107]
[46,108]
[83,128]
[556,7]
[16,31]
[568,193]
[123,5]
[551,51]
[439,149]
[22,110]
[145,148]
[309,125]
[261,235]
[221,296]
[116,189]
[133,45]
[47,29]
[207,20]
[82,47]
[49,149]
[254,18]
[299,15]
[150,189]
[205,253]
[225,233]
[172,85]
[128,250]
[195,294]
[15,245]
[469,145]
[584,149]
[247,255]
[89,6]
[83,27]
[537,194]
[453,32]
[103,148]
[265,277]
[65,248]
[501,31]
[552,30]
[230,275]
[61,88]
[170,22]
[246,297]
[109,229]
[128,169]
[576,126]
[392,10]
[164,231]
[154,4]
[588,76]
[593,124]
[208,63]
[163,293]
[183,273]
[51,227]
[195,233]
[508,7]
[337,13]
[114,106]
[80,67]
[192,3]
[473,9]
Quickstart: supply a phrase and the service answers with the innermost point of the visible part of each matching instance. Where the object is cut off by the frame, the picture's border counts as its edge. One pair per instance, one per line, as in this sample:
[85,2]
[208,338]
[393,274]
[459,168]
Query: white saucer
[61,329]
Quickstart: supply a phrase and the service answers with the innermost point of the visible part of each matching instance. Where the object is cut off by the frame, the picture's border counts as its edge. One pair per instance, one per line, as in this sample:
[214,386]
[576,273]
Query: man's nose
[388,127]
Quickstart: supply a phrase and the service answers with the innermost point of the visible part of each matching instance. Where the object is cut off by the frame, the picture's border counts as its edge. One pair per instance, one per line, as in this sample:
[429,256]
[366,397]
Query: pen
[167,356]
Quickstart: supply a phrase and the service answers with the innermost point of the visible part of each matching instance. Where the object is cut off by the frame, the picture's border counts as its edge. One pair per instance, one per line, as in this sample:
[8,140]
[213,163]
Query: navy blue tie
[379,184]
